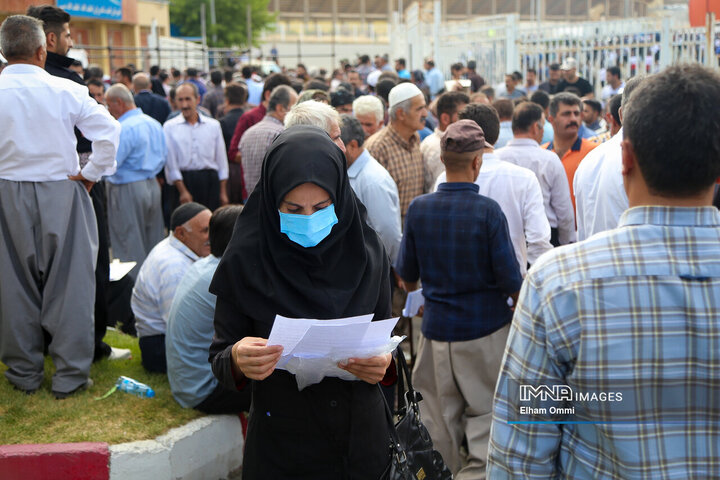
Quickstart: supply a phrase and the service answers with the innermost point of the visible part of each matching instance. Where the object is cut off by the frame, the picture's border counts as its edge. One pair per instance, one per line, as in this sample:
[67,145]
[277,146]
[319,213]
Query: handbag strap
[403,371]
[398,450]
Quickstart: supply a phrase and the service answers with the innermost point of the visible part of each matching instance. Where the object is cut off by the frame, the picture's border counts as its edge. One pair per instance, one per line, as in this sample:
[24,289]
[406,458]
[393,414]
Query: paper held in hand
[312,348]
[414,301]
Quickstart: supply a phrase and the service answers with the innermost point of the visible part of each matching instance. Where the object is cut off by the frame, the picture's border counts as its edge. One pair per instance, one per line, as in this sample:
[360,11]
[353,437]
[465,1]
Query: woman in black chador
[302,249]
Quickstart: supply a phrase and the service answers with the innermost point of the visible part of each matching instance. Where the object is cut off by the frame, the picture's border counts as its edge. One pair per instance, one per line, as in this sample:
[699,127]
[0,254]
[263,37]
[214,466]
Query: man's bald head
[140,82]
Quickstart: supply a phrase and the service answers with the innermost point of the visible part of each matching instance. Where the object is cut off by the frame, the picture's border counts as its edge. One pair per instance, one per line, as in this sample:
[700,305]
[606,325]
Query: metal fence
[167,52]
[499,44]
[502,44]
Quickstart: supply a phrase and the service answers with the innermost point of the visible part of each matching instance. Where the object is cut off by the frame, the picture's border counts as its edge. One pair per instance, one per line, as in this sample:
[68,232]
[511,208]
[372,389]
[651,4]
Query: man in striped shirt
[620,331]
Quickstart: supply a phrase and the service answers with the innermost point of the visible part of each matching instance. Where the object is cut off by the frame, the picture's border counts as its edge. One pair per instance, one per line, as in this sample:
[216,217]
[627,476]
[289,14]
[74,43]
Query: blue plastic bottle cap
[150,393]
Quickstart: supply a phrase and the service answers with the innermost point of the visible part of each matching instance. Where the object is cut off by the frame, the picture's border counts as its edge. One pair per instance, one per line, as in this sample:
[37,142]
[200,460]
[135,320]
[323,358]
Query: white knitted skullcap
[402,92]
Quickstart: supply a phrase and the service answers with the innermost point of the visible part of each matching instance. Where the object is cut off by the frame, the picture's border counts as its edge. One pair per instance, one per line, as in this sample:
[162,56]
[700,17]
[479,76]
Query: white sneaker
[120,354]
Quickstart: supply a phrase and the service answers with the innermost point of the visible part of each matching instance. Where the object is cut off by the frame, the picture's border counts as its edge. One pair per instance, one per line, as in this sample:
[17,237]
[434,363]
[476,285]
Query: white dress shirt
[549,170]
[156,284]
[38,114]
[600,196]
[197,146]
[608,91]
[519,195]
[377,190]
[430,149]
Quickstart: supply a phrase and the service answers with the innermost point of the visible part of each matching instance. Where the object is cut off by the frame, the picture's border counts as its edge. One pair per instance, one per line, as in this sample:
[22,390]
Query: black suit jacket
[153,105]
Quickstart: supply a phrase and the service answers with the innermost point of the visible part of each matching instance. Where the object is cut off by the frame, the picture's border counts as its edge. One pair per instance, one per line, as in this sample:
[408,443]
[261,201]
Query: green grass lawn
[40,418]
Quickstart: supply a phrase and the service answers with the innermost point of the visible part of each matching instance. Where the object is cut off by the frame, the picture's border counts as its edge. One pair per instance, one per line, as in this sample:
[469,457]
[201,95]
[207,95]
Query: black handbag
[412,454]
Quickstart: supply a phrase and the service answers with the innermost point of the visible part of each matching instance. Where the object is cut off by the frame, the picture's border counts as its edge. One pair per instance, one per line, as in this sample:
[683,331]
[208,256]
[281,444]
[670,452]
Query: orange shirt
[572,158]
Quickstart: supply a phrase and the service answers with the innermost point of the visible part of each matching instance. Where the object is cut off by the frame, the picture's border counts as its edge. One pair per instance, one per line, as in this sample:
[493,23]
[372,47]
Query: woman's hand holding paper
[370,370]
[254,358]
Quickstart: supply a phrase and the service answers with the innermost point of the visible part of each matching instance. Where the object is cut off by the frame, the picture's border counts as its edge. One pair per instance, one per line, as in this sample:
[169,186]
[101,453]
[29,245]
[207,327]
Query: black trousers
[152,353]
[222,400]
[554,237]
[102,271]
[203,185]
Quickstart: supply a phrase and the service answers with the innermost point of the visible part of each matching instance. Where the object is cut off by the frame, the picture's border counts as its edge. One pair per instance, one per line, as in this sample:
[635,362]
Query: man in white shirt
[524,150]
[614,85]
[504,108]
[160,276]
[48,231]
[197,161]
[373,186]
[448,106]
[514,188]
[600,196]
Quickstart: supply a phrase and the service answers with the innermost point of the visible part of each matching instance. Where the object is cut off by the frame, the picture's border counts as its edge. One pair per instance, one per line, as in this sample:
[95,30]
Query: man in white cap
[397,147]
[571,79]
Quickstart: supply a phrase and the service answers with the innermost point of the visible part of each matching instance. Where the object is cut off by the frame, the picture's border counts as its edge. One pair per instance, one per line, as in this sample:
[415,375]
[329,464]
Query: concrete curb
[207,448]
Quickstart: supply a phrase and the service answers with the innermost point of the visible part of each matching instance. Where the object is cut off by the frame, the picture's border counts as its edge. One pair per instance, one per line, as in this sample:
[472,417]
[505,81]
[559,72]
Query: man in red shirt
[247,120]
[569,146]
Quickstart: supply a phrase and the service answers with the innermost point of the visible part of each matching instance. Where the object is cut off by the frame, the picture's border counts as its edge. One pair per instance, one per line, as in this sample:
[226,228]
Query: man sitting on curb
[160,275]
[190,330]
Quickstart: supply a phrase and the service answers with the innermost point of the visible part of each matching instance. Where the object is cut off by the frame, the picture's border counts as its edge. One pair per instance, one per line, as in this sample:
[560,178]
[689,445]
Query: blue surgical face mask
[308,230]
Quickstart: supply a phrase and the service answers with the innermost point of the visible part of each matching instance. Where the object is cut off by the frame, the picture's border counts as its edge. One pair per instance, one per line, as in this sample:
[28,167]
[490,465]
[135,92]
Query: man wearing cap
[514,188]
[342,100]
[397,147]
[571,79]
[160,275]
[457,243]
[551,85]
[448,107]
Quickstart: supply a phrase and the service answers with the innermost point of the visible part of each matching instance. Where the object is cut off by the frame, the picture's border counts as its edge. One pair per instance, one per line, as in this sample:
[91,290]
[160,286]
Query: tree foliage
[231,20]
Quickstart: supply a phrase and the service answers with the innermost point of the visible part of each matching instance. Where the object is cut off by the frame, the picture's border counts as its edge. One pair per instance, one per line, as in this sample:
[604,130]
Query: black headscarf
[264,273]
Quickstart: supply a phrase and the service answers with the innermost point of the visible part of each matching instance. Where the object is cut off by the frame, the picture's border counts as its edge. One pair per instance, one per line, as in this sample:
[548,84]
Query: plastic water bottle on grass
[128,385]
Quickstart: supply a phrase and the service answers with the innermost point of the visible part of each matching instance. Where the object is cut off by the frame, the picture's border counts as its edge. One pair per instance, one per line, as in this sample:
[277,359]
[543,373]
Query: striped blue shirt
[457,242]
[189,335]
[635,310]
[142,150]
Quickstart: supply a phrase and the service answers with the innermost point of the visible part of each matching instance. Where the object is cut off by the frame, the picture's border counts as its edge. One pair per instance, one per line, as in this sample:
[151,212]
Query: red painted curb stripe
[59,461]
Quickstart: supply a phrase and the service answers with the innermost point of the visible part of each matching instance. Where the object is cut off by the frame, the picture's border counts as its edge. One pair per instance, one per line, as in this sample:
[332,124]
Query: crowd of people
[559,239]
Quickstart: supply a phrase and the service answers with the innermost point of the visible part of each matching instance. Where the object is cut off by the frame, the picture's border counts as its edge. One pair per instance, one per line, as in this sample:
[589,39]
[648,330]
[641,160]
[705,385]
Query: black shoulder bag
[412,454]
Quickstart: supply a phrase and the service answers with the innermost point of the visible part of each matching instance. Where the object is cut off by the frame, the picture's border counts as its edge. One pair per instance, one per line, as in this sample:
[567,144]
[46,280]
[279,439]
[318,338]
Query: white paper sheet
[119,269]
[414,301]
[289,331]
[312,348]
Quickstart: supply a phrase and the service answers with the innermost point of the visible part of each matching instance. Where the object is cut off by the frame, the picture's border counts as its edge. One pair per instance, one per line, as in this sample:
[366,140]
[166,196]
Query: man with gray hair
[373,185]
[48,231]
[150,103]
[397,147]
[133,195]
[317,114]
[256,140]
[598,184]
[370,111]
